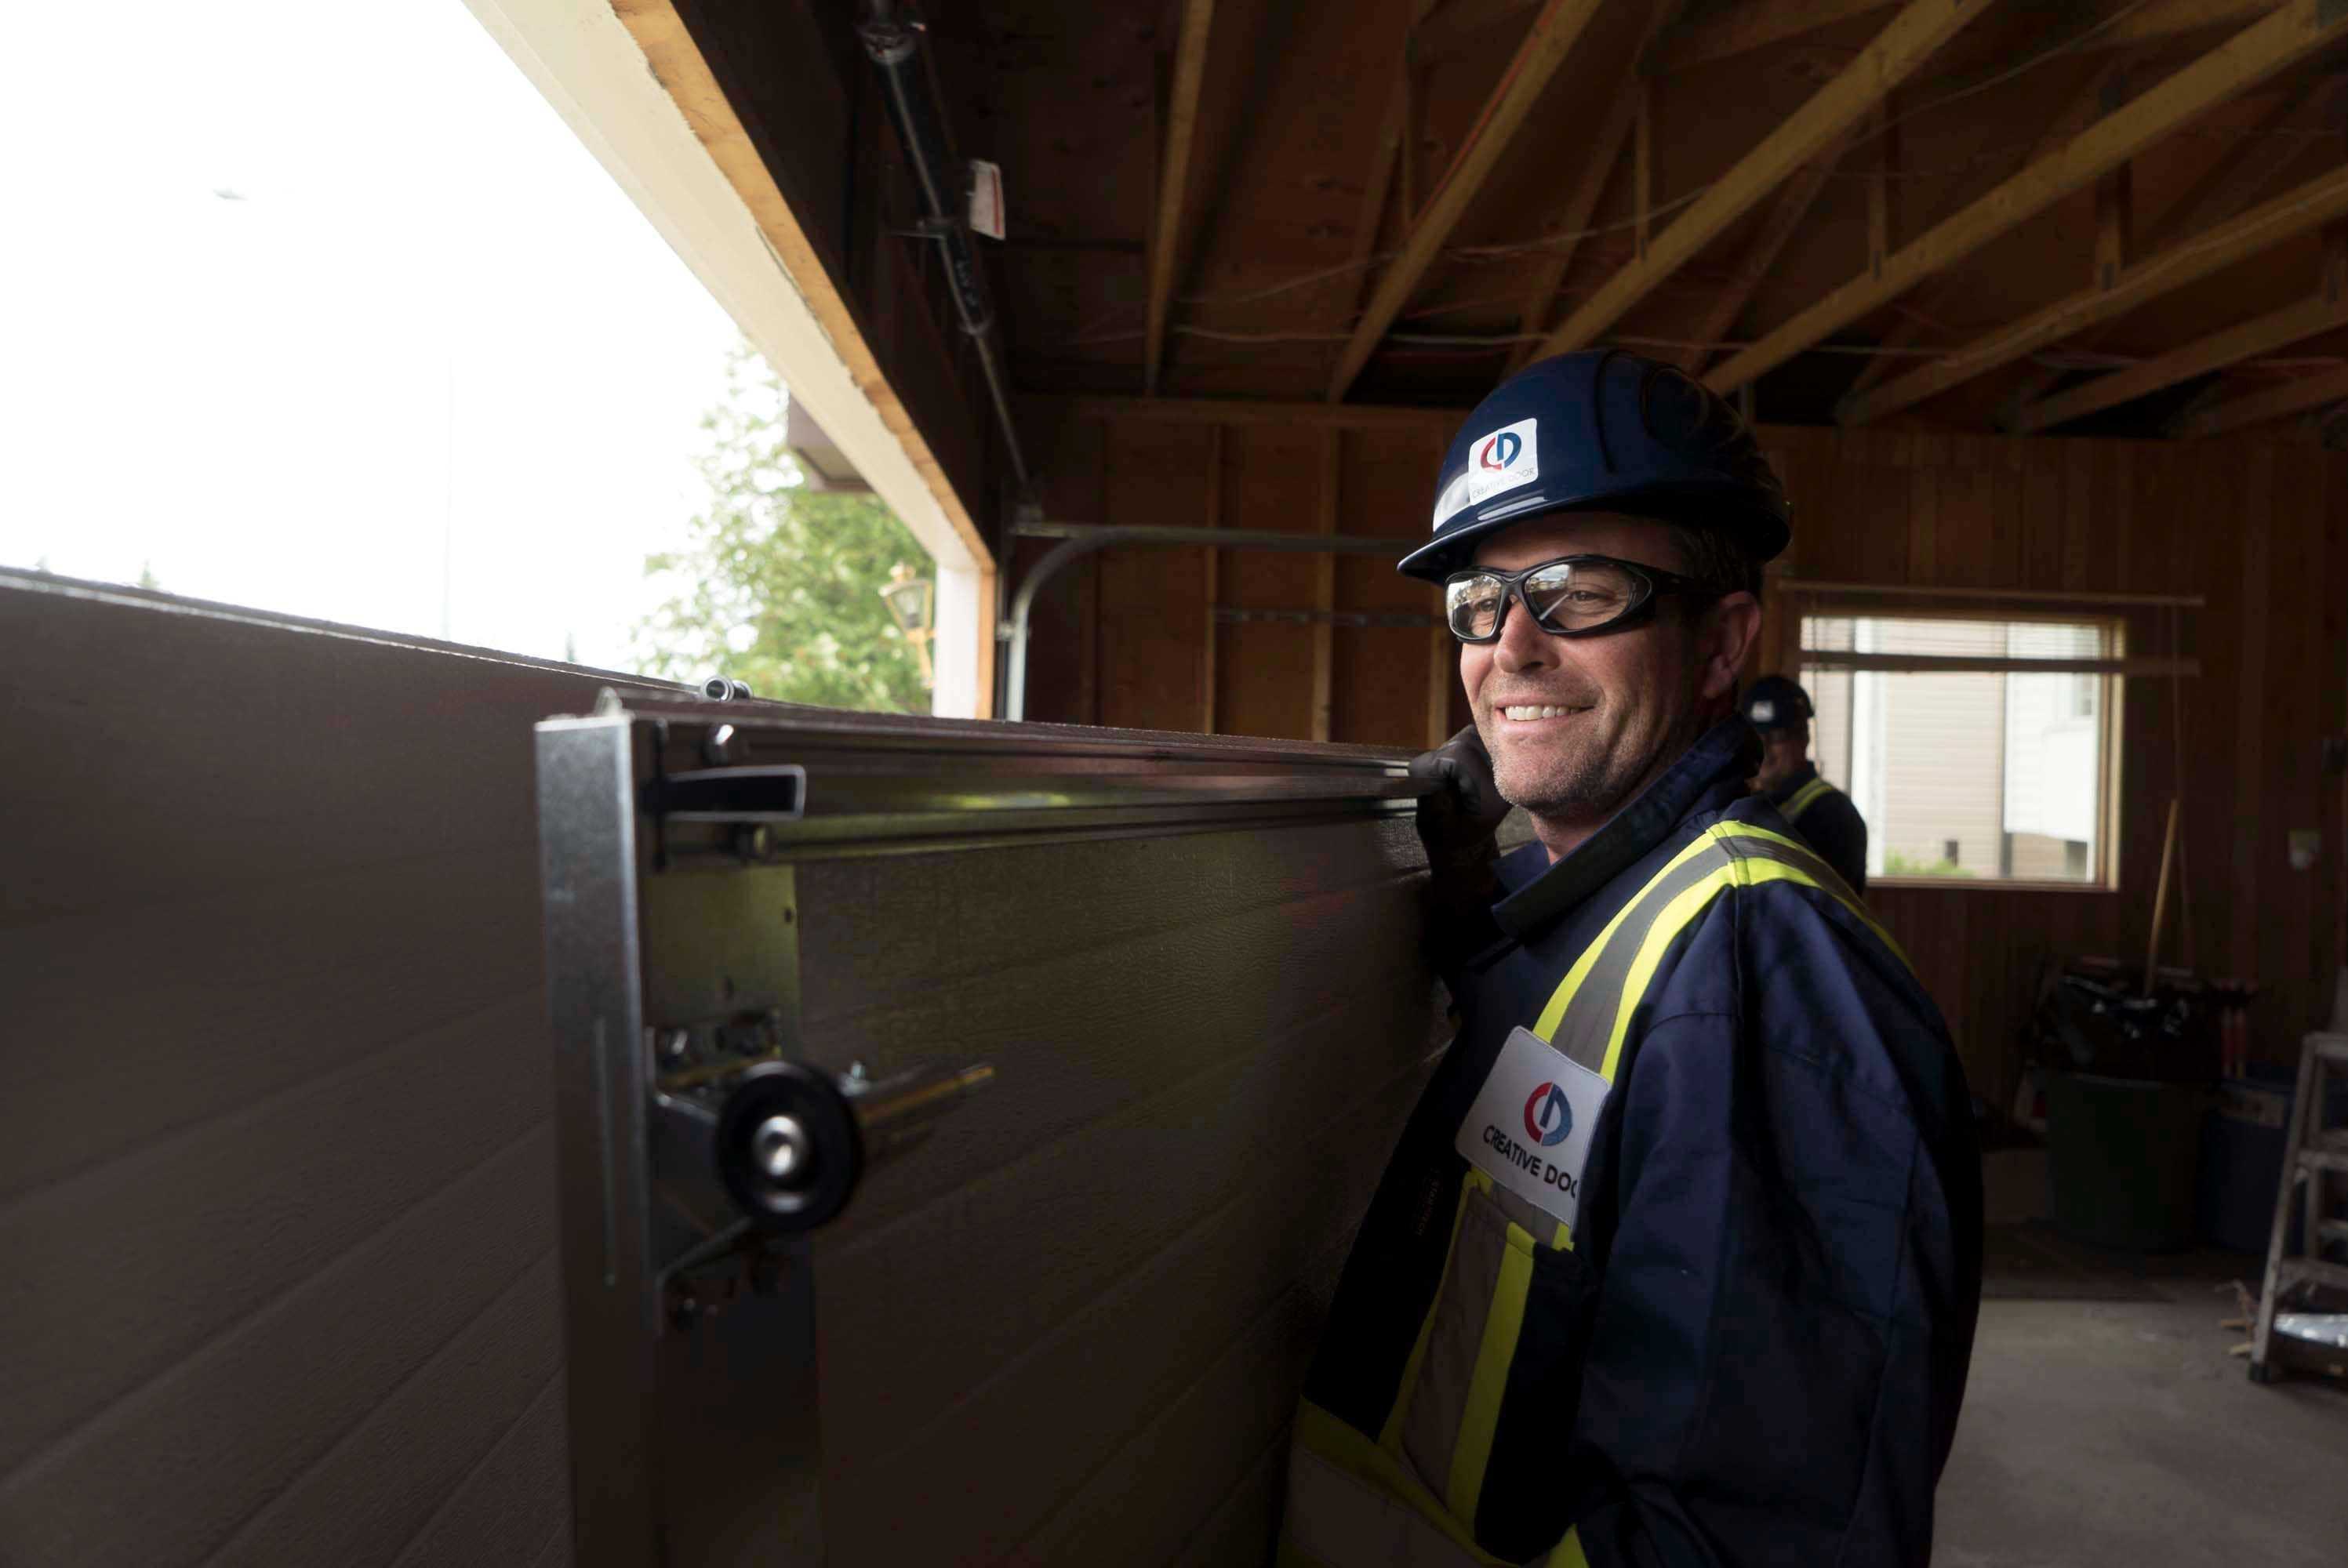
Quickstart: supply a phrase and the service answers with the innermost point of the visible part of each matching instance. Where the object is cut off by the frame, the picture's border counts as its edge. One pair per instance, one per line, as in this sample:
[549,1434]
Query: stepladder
[2314,1174]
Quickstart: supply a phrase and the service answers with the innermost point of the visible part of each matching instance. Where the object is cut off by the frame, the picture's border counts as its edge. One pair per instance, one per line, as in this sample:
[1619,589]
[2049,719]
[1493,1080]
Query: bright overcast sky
[298,290]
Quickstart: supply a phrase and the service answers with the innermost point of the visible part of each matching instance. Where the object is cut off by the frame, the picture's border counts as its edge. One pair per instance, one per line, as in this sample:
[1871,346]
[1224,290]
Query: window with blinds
[1977,748]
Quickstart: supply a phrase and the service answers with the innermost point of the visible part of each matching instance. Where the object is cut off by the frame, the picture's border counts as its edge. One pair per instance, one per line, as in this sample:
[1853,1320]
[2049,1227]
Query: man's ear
[1729,633]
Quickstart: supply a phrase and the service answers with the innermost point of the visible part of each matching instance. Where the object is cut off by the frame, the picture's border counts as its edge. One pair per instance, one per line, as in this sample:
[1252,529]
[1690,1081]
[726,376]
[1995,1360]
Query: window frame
[1856,604]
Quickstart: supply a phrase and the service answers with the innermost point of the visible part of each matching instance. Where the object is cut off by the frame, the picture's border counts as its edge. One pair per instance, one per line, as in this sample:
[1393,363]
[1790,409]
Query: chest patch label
[1532,1122]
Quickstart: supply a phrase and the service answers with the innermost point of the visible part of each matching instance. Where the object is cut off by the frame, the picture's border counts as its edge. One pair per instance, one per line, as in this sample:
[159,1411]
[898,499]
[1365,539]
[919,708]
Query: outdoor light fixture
[908,598]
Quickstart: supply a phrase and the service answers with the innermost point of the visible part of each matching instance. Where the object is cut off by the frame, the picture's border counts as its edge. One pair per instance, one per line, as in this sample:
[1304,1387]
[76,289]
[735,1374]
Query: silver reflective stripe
[1340,1520]
[1431,1429]
[1523,1212]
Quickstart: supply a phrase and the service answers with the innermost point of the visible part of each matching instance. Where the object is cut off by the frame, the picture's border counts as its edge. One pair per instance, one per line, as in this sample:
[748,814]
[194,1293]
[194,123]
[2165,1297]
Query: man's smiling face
[1577,725]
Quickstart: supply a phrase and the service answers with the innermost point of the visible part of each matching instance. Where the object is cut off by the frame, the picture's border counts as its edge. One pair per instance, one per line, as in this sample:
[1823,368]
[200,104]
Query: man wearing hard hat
[1678,1259]
[1780,711]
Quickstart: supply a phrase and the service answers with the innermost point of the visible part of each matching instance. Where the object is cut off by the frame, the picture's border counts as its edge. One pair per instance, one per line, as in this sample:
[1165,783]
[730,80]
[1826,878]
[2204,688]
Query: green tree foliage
[1898,864]
[778,584]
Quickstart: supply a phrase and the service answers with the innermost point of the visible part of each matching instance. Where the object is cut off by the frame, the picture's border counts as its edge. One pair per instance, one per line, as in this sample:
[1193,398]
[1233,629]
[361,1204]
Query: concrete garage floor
[2105,1424]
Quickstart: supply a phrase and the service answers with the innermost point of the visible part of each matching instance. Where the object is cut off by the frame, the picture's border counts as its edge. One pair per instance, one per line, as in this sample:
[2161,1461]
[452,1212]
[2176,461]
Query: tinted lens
[1472,605]
[1570,596]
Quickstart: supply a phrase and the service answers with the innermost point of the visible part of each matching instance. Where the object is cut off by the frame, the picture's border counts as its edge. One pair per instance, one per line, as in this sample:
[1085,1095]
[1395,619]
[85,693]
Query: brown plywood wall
[2252,527]
[1130,638]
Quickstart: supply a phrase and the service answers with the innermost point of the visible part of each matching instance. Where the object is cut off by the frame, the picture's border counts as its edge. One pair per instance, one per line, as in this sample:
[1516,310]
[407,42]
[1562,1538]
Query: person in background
[1789,780]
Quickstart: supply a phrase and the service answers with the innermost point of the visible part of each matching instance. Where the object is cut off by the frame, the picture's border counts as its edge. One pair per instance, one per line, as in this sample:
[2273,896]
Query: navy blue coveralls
[1826,821]
[1752,1347]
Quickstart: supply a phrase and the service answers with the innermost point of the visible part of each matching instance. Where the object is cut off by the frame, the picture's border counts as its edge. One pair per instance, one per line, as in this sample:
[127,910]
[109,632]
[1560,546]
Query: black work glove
[1456,823]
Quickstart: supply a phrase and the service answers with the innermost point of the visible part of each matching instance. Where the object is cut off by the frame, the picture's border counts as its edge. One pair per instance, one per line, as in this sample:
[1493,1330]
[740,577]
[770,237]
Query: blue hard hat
[1776,702]
[1601,431]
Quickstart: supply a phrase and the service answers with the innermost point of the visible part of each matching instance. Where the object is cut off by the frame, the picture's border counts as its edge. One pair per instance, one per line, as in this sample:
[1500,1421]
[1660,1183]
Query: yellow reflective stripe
[1341,1445]
[1390,1434]
[1568,1552]
[1667,927]
[1551,1015]
[1833,885]
[1802,799]
[1471,1451]
[1746,871]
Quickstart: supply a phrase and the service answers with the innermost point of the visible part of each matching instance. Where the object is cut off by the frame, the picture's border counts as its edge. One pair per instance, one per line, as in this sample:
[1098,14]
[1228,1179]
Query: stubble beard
[1587,776]
[1573,779]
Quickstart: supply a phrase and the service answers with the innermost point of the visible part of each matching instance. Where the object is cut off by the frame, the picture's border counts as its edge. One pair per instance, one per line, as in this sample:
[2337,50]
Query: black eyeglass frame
[1653,582]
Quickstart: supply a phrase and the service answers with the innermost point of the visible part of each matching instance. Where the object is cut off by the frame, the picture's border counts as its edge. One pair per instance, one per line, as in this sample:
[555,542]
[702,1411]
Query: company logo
[1548,1116]
[1499,452]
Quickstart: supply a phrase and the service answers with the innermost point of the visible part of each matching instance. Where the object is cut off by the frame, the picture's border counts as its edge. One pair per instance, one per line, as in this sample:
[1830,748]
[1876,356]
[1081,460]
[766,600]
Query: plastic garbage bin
[2122,1156]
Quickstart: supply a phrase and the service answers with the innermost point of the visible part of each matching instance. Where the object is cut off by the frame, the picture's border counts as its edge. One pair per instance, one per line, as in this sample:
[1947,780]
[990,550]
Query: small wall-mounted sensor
[2306,843]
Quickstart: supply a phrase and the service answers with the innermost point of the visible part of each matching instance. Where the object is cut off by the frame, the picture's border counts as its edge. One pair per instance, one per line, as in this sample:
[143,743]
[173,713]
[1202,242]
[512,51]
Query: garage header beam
[2251,56]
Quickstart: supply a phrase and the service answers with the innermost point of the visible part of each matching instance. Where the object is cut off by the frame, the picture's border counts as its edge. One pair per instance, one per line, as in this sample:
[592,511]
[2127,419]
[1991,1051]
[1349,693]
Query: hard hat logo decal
[1506,459]
[1548,1116]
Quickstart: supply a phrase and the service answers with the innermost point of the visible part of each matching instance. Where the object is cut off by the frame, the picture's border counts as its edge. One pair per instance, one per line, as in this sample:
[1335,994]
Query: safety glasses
[1573,596]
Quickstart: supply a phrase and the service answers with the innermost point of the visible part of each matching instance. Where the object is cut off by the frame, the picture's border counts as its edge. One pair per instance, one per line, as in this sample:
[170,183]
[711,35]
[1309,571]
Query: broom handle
[2160,896]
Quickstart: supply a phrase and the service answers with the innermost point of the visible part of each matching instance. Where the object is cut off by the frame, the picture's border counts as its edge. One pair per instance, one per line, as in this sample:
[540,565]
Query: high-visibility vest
[1407,1495]
[1802,799]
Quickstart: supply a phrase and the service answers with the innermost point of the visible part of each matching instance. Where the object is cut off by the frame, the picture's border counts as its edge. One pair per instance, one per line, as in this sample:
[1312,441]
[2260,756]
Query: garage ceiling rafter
[1545,273]
[2249,57]
[1553,34]
[1913,35]
[1169,244]
[1398,201]
[2295,213]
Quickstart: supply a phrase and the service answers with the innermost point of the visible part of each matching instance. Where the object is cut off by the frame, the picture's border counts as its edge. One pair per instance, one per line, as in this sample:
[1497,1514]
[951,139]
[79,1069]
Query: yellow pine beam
[1922,27]
[1394,128]
[1793,204]
[1168,241]
[1740,29]
[2245,340]
[2310,206]
[1547,275]
[2249,57]
[2227,185]
[2259,407]
[1546,45]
